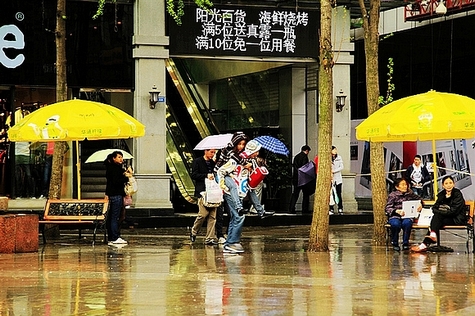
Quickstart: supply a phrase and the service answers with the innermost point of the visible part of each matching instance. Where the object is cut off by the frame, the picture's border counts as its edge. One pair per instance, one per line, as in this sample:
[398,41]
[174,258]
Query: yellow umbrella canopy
[76,120]
[427,116]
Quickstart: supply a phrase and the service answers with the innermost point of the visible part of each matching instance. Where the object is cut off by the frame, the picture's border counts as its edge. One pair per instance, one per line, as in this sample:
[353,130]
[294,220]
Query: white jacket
[337,167]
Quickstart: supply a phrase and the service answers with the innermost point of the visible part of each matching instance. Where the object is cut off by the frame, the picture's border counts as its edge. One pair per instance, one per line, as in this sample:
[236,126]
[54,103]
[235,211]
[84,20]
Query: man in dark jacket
[299,160]
[202,169]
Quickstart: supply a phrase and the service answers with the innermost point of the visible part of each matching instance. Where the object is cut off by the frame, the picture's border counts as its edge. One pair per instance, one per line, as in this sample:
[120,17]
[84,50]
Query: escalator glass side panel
[188,99]
[179,171]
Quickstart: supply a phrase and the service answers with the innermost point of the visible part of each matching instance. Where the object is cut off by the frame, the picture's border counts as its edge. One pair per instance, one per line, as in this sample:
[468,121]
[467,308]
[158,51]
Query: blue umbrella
[273,145]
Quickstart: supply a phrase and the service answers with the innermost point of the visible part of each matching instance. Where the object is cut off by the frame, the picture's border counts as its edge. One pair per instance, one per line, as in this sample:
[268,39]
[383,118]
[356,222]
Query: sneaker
[221,240]
[210,242]
[233,248]
[331,213]
[405,247]
[117,246]
[340,211]
[118,241]
[192,238]
[265,214]
[419,248]
[396,248]
[253,211]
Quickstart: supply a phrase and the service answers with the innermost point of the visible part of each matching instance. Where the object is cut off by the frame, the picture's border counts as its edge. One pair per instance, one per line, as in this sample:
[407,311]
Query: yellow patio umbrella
[427,116]
[76,120]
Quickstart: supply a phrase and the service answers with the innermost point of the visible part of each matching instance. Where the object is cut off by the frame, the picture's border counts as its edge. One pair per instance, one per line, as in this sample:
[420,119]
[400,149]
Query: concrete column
[150,53]
[342,120]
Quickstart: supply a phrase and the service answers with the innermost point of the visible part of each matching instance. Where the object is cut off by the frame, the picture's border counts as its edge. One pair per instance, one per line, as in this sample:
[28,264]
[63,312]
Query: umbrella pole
[78,166]
[434,167]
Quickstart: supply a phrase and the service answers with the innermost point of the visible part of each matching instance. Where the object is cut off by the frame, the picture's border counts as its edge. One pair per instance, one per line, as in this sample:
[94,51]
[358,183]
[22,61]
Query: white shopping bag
[214,194]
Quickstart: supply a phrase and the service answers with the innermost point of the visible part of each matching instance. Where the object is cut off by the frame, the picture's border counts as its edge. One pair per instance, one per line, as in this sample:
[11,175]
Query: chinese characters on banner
[230,30]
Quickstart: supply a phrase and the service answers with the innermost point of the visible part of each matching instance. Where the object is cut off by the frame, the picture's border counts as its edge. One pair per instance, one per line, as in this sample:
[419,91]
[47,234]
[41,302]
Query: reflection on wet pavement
[161,273]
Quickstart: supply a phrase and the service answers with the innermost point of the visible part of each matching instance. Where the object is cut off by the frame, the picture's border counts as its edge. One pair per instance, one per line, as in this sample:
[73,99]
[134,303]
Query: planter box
[19,233]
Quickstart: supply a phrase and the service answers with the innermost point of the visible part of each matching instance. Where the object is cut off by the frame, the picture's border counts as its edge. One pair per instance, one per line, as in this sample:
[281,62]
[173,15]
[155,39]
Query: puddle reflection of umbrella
[214,142]
[273,145]
[101,155]
[428,116]
[76,120]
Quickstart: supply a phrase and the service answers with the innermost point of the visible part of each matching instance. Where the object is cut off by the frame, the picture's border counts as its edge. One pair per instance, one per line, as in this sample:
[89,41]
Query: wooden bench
[469,228]
[75,213]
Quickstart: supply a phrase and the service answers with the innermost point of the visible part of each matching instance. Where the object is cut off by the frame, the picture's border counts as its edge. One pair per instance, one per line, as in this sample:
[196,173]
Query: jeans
[233,191]
[396,225]
[116,203]
[417,191]
[25,185]
[235,222]
[46,175]
[256,203]
[258,192]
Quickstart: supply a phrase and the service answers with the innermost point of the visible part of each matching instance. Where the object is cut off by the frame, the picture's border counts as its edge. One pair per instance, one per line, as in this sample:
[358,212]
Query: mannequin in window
[24,182]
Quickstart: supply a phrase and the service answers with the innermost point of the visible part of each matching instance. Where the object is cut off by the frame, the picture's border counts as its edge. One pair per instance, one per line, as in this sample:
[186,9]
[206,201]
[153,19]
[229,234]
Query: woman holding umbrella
[116,180]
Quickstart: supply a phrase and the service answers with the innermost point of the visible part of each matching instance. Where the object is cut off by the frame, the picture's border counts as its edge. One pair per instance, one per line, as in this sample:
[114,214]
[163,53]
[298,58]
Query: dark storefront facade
[99,59]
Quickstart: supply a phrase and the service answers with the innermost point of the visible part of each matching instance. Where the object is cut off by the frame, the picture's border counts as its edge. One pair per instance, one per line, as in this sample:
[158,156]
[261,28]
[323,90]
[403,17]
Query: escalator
[188,121]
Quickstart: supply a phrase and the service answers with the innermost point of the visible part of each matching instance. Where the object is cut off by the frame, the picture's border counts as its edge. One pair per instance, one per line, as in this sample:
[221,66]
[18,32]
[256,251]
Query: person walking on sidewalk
[116,177]
[299,160]
[202,169]
[236,218]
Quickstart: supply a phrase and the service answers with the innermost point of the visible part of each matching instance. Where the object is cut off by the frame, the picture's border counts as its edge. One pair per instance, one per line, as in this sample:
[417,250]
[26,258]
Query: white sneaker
[118,241]
[221,240]
[331,213]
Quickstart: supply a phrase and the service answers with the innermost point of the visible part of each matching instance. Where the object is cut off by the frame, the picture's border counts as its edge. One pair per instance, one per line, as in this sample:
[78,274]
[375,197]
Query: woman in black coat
[116,177]
[449,209]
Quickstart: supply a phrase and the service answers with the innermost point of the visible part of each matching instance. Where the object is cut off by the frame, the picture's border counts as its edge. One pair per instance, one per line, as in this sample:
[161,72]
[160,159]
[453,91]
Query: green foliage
[177,12]
[100,8]
[391,87]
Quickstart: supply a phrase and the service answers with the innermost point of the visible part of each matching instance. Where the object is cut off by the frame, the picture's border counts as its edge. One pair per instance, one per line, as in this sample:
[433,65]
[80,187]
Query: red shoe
[418,249]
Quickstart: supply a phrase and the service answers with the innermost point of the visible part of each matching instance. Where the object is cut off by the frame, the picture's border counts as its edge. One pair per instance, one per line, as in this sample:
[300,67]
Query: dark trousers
[438,221]
[295,197]
[340,198]
[116,202]
[220,218]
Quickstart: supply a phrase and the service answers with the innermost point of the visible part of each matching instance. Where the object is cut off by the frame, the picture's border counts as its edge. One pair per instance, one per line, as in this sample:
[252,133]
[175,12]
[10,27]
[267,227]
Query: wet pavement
[161,273]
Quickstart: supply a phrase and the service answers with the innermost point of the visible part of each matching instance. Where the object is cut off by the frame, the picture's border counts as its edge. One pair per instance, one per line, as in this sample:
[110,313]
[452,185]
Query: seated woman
[449,209]
[395,213]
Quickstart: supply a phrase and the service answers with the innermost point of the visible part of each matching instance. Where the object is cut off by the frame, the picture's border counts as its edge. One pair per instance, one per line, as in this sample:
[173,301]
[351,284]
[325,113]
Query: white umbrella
[101,155]
[214,142]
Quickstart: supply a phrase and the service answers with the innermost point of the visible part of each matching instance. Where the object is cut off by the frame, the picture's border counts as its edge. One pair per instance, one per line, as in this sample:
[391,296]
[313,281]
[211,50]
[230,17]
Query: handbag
[257,175]
[127,200]
[131,186]
[213,196]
